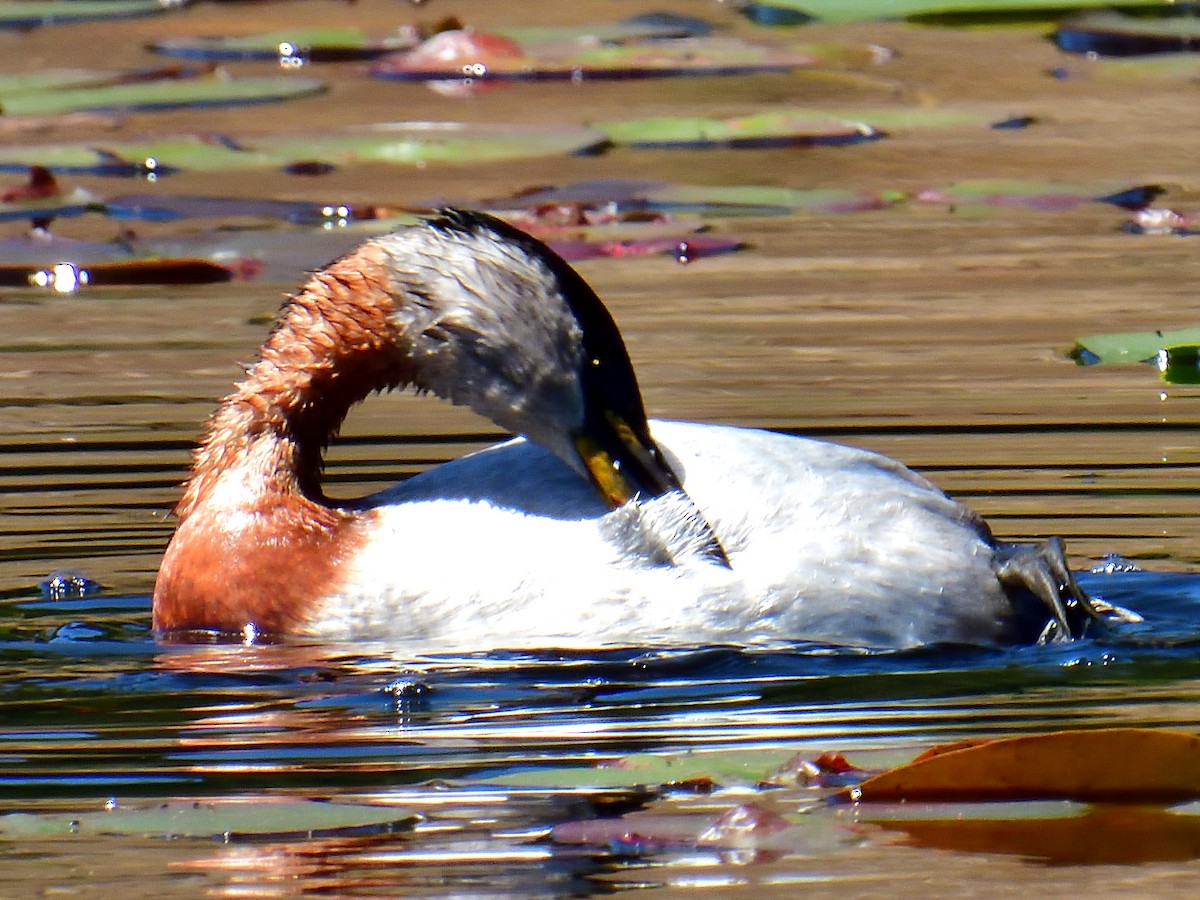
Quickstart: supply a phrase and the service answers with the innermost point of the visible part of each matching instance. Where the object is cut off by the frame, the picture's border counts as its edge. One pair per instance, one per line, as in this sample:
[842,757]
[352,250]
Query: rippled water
[936,338]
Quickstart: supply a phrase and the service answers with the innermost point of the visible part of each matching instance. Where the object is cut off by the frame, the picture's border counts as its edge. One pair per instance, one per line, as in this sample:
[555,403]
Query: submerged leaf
[1117,764]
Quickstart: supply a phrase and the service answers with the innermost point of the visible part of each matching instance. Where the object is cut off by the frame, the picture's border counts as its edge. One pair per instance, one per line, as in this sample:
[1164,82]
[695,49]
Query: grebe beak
[625,466]
[622,465]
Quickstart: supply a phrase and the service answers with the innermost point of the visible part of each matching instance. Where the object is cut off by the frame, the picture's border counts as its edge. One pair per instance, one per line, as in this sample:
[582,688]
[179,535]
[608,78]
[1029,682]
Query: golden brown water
[937,337]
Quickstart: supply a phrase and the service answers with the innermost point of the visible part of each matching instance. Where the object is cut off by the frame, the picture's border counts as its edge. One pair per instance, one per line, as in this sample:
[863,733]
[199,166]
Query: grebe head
[498,322]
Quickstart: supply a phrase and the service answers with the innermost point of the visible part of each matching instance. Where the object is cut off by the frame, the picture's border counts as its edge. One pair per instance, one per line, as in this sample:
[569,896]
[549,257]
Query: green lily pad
[33,13]
[1047,196]
[1157,67]
[934,11]
[1137,346]
[574,61]
[783,127]
[404,143]
[723,767]
[230,819]
[312,44]
[170,93]
[1116,34]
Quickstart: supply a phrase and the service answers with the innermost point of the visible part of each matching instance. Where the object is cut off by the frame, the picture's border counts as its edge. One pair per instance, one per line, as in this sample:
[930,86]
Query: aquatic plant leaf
[1156,67]
[310,44]
[1117,764]
[75,203]
[764,130]
[230,819]
[784,127]
[35,13]
[405,143]
[698,770]
[50,79]
[1112,33]
[172,207]
[450,56]
[651,26]
[956,12]
[630,195]
[1180,364]
[1044,196]
[169,93]
[336,44]
[1134,346]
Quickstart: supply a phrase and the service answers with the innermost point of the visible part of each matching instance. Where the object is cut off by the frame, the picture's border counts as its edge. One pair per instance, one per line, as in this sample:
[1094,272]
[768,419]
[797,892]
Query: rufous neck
[334,344]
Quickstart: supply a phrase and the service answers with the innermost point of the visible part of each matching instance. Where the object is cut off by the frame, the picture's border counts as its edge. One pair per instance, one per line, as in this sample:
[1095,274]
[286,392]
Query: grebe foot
[1040,569]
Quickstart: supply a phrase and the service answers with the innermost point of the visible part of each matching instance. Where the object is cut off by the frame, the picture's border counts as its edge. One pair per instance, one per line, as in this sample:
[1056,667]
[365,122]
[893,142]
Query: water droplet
[855,794]
[683,253]
[110,804]
[249,634]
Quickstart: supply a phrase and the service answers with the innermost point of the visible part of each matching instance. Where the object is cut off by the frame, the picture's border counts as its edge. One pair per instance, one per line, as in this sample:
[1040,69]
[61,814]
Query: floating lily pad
[404,143]
[1112,33]
[228,819]
[1137,346]
[34,13]
[172,207]
[791,127]
[723,768]
[1039,195]
[341,44]
[1180,364]
[1157,67]
[629,195]
[170,93]
[310,44]
[755,131]
[1107,765]
[950,12]
[452,55]
[75,203]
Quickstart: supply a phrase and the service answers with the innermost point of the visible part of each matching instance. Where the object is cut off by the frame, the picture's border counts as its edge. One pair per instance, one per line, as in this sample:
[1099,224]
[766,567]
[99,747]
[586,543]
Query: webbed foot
[1039,571]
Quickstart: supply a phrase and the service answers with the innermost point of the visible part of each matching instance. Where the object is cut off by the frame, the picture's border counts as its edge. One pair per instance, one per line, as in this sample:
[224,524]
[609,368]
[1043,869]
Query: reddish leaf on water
[1118,764]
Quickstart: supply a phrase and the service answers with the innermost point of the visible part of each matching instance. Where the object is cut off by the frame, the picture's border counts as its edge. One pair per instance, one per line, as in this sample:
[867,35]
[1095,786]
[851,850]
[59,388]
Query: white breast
[509,548]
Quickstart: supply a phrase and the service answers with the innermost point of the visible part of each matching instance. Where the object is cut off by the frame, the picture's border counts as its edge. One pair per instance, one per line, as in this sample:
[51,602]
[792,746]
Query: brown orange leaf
[1114,764]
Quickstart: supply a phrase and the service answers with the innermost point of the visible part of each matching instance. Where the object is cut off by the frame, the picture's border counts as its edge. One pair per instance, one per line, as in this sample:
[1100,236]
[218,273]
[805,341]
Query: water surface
[935,337]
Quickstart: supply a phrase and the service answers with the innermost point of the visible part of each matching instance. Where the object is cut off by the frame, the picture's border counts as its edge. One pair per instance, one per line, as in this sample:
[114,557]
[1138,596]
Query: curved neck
[334,344]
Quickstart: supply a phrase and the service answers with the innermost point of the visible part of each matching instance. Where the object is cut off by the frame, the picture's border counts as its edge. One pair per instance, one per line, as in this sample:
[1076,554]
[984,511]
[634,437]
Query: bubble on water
[67,584]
